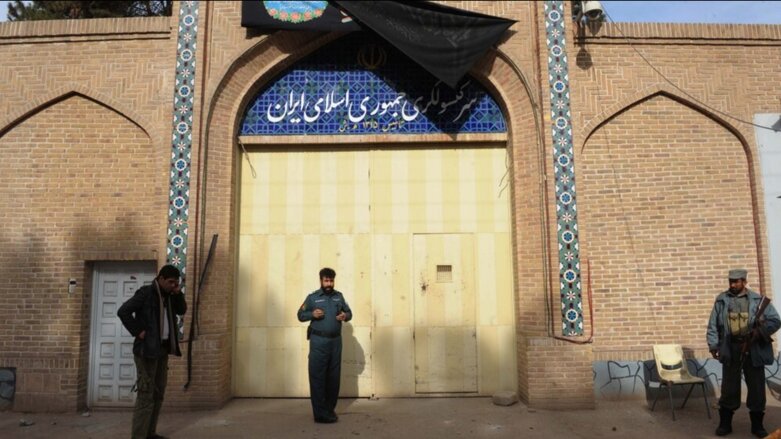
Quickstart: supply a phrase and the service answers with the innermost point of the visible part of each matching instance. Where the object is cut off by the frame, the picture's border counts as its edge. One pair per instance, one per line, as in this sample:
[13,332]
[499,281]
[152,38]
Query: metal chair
[672,370]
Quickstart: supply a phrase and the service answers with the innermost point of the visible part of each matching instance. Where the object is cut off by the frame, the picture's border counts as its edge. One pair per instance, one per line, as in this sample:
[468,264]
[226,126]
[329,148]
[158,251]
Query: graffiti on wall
[7,387]
[638,379]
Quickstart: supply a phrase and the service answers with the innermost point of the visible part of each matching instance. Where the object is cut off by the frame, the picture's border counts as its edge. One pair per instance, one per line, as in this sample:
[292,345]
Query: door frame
[415,309]
[99,269]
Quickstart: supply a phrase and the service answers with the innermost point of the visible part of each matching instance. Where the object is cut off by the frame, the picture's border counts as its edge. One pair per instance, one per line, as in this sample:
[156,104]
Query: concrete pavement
[405,418]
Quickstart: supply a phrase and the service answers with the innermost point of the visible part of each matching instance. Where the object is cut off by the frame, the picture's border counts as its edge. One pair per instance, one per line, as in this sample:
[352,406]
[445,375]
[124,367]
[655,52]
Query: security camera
[591,9]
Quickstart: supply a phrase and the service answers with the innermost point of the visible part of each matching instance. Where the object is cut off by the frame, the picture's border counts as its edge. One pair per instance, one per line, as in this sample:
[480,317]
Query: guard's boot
[756,424]
[725,422]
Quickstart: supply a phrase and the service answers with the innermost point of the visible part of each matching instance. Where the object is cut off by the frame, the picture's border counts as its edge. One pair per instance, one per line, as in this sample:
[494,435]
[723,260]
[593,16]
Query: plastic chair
[672,370]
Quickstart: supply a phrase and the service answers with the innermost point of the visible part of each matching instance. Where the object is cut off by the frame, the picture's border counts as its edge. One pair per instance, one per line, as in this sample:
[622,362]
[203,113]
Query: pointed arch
[659,89]
[667,91]
[53,97]
[247,72]
[259,62]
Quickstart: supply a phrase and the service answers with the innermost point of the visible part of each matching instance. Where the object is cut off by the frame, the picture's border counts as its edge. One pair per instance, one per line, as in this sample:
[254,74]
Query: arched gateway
[358,159]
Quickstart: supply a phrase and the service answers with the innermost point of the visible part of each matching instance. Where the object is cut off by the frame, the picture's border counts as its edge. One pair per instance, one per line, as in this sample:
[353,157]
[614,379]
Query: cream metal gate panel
[444,300]
[276,273]
[357,211]
[305,210]
[112,369]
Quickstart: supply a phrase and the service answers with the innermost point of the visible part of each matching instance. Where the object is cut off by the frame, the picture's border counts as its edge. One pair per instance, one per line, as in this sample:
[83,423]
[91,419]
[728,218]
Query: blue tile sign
[360,85]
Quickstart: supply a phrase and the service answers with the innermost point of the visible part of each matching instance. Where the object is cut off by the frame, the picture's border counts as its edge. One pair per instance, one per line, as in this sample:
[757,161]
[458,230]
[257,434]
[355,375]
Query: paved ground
[396,418]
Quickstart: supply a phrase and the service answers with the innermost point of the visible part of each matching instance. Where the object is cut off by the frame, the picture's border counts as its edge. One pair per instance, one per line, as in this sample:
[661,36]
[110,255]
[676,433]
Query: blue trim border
[564,166]
[181,138]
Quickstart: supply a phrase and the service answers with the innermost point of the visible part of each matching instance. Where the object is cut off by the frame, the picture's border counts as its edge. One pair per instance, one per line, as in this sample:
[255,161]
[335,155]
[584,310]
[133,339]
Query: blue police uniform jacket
[331,304]
[718,334]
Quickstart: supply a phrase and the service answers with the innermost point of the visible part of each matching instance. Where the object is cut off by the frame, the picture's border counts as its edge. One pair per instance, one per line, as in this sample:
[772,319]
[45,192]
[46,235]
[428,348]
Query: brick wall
[121,62]
[666,211]
[558,374]
[83,177]
[670,193]
[76,180]
[84,148]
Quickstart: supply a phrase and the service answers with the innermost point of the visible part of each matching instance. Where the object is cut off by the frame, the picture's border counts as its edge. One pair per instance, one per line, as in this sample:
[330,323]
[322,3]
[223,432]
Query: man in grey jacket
[733,323]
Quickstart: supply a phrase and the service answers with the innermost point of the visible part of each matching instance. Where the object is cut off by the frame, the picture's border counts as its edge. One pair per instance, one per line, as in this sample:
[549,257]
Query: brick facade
[668,188]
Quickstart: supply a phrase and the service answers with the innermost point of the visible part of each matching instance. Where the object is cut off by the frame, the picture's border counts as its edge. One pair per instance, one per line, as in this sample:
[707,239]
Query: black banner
[443,40]
[296,15]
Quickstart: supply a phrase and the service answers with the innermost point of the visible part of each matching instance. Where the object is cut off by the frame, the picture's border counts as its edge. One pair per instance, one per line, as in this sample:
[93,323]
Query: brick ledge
[84,27]
[675,31]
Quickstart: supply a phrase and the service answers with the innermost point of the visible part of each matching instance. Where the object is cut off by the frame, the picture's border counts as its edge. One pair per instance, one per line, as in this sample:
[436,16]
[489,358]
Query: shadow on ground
[393,418]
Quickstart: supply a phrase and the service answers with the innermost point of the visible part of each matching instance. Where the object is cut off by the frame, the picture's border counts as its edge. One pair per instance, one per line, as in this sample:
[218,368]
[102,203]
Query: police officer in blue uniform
[325,309]
[733,323]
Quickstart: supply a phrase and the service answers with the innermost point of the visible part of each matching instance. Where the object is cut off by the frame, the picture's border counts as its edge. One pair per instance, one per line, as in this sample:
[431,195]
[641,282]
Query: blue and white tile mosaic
[181,139]
[361,85]
[564,165]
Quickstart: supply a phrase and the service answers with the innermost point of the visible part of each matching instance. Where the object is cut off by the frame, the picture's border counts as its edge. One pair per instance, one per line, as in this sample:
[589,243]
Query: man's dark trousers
[325,368]
[730,384]
[152,379]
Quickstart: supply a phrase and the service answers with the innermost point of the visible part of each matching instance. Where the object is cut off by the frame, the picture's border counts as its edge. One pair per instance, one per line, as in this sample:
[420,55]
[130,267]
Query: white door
[112,370]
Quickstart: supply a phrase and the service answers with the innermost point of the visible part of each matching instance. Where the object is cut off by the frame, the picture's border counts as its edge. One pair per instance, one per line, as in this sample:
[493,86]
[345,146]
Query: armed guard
[738,335]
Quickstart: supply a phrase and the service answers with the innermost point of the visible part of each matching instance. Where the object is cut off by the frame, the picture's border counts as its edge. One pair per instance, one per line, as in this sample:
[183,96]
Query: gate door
[445,333]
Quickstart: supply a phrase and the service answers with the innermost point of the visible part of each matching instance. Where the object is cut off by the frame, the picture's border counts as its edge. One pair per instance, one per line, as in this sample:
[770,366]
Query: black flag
[445,41]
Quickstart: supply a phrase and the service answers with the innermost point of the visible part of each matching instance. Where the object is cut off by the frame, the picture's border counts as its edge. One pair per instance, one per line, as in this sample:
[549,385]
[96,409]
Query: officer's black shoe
[756,424]
[328,420]
[725,422]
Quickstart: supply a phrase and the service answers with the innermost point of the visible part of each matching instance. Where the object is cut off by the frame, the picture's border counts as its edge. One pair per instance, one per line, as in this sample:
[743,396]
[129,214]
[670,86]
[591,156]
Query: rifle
[746,346]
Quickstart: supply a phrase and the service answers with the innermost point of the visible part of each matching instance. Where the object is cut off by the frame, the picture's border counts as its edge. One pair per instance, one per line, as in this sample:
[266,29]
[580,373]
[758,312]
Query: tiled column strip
[564,165]
[181,138]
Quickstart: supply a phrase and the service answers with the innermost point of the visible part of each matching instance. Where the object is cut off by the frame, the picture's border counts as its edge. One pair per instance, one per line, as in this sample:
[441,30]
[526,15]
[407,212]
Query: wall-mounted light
[588,15]
[591,10]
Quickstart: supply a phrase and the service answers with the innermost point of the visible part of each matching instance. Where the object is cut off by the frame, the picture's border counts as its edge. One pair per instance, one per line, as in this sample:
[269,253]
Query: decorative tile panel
[181,138]
[361,85]
[564,165]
